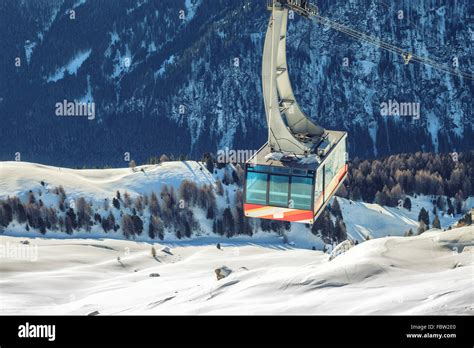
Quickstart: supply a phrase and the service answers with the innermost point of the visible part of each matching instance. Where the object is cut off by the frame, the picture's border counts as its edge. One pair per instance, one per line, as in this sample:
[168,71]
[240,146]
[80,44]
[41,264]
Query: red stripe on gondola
[342,172]
[248,206]
[303,215]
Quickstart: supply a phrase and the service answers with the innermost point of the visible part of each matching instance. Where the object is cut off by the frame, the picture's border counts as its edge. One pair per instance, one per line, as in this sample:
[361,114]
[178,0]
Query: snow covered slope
[17,178]
[427,274]
[374,221]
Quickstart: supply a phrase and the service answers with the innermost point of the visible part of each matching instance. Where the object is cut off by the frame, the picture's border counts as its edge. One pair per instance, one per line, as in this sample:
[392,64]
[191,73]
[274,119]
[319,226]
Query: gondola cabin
[295,189]
[300,167]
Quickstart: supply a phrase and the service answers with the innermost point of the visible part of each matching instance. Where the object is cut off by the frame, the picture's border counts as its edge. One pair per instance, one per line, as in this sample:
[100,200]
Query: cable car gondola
[295,174]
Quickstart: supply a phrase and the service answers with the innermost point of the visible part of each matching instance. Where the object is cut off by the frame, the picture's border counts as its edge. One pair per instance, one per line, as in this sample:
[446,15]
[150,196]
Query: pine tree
[127,226]
[116,203]
[42,225]
[407,204]
[441,203]
[209,163]
[137,224]
[424,216]
[381,198]
[450,207]
[436,222]
[21,215]
[422,227]
[210,214]
[228,221]
[68,225]
[31,197]
[151,229]
[340,232]
[458,207]
[127,200]
[336,209]
[219,187]
[155,209]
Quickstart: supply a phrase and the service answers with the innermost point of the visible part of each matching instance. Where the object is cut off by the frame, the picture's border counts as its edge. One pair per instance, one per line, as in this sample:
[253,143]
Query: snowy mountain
[423,275]
[183,77]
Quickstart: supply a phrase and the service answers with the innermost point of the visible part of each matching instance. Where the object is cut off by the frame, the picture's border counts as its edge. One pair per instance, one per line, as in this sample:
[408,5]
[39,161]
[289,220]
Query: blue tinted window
[280,170]
[256,188]
[301,192]
[299,172]
[279,186]
[264,169]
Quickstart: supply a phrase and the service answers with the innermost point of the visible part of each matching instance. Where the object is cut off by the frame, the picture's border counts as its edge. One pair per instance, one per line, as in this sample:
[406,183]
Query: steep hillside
[183,77]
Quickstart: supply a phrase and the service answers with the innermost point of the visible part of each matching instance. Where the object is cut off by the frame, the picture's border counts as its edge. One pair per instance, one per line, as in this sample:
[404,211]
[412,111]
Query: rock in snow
[222,272]
[166,250]
[341,248]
